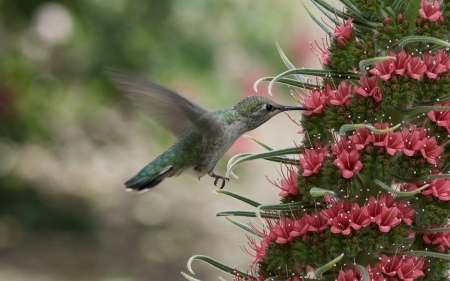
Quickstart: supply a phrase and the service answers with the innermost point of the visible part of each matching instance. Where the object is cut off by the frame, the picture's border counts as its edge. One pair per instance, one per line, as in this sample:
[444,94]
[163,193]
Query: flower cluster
[368,194]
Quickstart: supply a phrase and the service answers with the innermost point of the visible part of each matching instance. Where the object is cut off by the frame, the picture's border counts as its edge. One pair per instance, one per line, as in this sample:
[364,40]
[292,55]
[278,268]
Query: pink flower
[406,213]
[430,10]
[434,66]
[393,142]
[390,265]
[383,69]
[312,159]
[341,95]
[411,268]
[349,275]
[401,61]
[367,86]
[440,239]
[360,138]
[416,68]
[439,188]
[260,251]
[314,102]
[289,184]
[281,231]
[348,163]
[441,117]
[359,217]
[413,140]
[317,222]
[300,227]
[387,218]
[344,32]
[431,150]
[378,139]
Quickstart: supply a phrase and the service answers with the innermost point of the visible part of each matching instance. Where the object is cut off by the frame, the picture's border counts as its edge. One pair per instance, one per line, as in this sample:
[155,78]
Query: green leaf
[429,230]
[349,127]
[422,39]
[247,214]
[319,23]
[398,192]
[427,254]
[315,72]
[259,142]
[319,192]
[422,109]
[244,227]
[241,158]
[287,207]
[217,265]
[285,81]
[319,271]
[423,179]
[190,278]
[363,271]
[289,65]
[239,197]
[364,63]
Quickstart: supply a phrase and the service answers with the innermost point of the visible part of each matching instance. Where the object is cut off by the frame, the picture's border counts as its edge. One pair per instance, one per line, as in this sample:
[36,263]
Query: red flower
[314,103]
[344,32]
[367,86]
[280,232]
[260,251]
[390,266]
[406,213]
[317,222]
[360,138]
[439,188]
[416,68]
[411,268]
[431,150]
[341,145]
[430,10]
[401,61]
[413,140]
[440,239]
[383,69]
[349,275]
[393,142]
[378,139]
[359,217]
[300,227]
[312,159]
[387,218]
[348,163]
[289,184]
[434,66]
[341,95]
[442,118]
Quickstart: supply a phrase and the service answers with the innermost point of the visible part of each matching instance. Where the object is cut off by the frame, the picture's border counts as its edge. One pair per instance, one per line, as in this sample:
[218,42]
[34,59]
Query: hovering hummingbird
[203,136]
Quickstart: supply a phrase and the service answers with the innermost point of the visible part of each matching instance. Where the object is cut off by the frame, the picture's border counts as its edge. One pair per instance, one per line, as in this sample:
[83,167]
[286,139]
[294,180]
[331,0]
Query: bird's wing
[166,107]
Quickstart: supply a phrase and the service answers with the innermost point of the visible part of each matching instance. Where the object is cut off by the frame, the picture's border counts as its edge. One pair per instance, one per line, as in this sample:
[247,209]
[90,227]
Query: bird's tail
[144,180]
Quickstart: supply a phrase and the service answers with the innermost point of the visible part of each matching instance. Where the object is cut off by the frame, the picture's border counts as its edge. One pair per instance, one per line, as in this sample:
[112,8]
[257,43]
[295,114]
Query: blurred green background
[68,139]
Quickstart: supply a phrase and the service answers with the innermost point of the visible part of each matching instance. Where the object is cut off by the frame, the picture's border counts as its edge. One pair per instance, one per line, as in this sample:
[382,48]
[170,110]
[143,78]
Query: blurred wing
[166,107]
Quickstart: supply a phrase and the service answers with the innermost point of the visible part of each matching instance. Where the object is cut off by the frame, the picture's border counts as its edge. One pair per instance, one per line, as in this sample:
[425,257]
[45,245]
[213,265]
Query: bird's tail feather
[140,183]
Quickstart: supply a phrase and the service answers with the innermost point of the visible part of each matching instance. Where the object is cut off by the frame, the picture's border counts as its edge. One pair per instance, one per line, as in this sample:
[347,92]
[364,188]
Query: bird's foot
[217,179]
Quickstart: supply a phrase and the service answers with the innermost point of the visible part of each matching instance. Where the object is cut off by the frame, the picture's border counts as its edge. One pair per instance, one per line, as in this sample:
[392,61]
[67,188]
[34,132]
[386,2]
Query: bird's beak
[286,108]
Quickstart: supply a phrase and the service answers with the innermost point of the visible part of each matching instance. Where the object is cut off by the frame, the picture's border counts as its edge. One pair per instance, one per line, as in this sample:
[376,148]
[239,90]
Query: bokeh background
[68,139]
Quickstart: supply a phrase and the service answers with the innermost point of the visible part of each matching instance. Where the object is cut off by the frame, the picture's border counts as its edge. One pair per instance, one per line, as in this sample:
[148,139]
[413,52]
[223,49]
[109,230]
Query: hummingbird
[203,137]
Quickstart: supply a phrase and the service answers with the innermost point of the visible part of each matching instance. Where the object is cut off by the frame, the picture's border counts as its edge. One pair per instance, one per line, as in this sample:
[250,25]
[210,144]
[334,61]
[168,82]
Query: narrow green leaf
[244,227]
[287,207]
[364,63]
[363,271]
[287,82]
[429,230]
[427,254]
[422,179]
[247,214]
[259,142]
[422,109]
[314,72]
[218,265]
[289,65]
[236,162]
[422,39]
[190,278]
[319,271]
[349,5]
[239,197]
[398,192]
[319,23]
[319,192]
[350,127]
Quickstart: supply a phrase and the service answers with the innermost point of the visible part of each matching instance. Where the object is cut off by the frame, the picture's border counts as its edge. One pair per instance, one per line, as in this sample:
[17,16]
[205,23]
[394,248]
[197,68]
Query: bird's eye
[269,107]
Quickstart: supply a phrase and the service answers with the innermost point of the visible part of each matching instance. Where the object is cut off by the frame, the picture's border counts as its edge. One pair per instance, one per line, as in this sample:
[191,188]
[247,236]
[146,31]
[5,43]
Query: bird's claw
[217,179]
